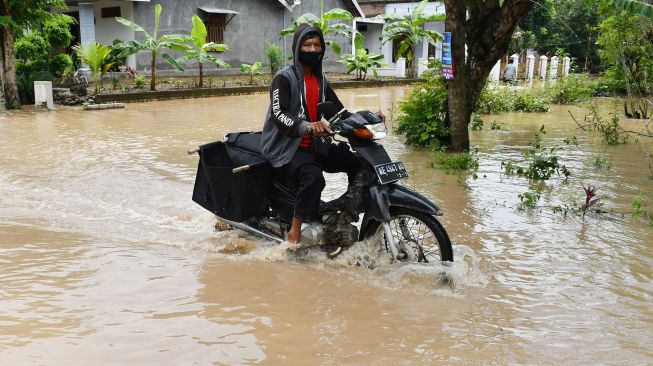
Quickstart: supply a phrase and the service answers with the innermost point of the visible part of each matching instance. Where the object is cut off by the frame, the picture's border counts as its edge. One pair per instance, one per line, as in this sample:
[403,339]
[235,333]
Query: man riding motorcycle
[293,139]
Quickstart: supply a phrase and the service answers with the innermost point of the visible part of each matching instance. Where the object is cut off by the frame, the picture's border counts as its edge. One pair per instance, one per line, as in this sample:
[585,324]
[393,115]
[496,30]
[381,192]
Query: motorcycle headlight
[379,130]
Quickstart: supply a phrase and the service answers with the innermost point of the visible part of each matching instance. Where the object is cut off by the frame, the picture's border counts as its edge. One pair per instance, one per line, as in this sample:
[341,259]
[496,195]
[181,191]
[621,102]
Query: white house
[372,29]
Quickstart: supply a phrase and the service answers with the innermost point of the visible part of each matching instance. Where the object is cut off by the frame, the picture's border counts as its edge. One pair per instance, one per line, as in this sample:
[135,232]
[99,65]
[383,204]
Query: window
[110,12]
[431,51]
[396,44]
[215,27]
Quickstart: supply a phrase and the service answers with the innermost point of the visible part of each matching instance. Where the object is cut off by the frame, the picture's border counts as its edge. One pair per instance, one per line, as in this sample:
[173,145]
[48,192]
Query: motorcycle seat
[249,141]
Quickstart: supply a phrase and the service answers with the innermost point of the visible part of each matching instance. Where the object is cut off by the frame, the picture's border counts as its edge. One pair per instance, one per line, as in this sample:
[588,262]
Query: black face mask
[310,58]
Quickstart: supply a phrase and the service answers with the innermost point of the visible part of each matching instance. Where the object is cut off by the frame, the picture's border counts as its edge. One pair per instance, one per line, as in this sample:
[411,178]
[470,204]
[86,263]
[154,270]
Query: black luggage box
[233,196]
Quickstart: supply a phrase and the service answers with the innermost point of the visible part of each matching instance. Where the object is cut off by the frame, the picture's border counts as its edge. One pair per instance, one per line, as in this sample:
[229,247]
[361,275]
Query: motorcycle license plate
[391,172]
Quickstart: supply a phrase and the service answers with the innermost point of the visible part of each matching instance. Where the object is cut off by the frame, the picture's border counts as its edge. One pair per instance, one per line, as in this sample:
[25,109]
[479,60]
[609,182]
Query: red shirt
[312,99]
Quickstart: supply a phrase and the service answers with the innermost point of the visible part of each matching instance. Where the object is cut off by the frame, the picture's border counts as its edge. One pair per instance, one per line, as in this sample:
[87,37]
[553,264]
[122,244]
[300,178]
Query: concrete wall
[259,20]
[107,29]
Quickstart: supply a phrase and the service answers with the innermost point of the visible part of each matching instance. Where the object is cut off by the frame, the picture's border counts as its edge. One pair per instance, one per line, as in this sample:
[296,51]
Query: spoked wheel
[419,237]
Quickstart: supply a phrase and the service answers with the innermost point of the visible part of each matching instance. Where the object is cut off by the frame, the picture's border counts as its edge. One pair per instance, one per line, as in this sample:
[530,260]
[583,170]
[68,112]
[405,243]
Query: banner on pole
[447,60]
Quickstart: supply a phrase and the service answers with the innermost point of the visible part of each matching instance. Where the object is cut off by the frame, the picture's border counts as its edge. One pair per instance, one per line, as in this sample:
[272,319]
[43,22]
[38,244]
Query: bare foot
[292,237]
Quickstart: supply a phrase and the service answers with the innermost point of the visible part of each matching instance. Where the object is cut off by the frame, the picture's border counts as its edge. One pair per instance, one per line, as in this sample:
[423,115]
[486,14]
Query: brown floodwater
[105,260]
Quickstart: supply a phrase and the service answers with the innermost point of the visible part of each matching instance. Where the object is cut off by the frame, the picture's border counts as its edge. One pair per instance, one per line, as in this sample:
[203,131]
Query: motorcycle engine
[339,229]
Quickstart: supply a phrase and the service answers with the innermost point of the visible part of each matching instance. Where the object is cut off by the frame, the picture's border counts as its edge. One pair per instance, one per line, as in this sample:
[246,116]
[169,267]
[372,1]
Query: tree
[484,29]
[410,32]
[637,7]
[199,49]
[329,28]
[555,26]
[626,43]
[154,45]
[94,54]
[16,15]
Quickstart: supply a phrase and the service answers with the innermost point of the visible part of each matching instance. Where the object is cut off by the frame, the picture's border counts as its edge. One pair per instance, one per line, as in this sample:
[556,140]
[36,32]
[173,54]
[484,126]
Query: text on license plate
[390,172]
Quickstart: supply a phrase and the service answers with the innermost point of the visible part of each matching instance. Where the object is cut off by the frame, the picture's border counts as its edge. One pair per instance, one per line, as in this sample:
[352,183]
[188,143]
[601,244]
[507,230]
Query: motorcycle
[235,182]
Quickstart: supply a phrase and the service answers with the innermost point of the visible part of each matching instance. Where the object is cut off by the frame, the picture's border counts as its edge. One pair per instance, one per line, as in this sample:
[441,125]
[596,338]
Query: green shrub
[273,53]
[60,65]
[494,100]
[571,89]
[422,115]
[140,81]
[57,31]
[115,57]
[610,85]
[497,100]
[531,101]
[26,75]
[31,48]
[454,162]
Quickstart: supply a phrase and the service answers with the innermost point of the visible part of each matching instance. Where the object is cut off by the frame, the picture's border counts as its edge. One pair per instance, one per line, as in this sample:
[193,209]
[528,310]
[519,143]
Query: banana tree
[361,62]
[326,23]
[199,49]
[94,54]
[251,70]
[153,44]
[409,32]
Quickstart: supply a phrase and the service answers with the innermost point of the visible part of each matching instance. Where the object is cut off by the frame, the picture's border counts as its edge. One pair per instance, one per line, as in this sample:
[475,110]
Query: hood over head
[304,30]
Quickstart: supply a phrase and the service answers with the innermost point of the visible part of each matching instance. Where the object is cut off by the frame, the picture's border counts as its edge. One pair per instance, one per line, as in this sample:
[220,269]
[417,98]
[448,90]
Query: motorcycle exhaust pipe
[252,230]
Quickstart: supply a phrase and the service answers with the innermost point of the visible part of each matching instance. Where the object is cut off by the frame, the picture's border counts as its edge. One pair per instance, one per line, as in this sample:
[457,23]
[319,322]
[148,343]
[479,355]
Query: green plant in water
[422,114]
[571,141]
[601,163]
[544,162]
[251,70]
[611,131]
[636,205]
[454,163]
[529,199]
[495,126]
[571,89]
[477,122]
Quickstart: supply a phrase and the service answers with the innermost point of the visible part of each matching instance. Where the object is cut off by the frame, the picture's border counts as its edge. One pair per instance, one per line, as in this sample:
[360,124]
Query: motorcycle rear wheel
[419,237]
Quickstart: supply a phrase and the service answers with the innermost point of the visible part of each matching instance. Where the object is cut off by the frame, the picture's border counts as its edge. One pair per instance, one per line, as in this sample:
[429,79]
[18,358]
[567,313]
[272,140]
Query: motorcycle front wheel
[419,237]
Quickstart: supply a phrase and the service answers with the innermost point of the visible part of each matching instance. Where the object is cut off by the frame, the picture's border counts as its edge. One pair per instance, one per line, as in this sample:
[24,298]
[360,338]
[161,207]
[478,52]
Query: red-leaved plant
[590,193]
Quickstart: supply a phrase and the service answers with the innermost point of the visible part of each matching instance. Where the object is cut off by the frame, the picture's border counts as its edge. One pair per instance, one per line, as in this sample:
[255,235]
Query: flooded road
[105,260]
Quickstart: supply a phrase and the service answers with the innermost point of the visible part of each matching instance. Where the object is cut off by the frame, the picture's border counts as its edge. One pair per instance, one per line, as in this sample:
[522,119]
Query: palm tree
[409,31]
[199,49]
[94,54]
[153,44]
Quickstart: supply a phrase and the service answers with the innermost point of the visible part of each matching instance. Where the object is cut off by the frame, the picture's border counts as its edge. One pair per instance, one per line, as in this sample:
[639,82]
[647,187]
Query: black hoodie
[287,117]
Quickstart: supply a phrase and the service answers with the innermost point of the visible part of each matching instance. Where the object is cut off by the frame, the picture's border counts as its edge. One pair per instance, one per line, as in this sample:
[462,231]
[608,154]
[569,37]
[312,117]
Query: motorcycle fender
[380,203]
[401,196]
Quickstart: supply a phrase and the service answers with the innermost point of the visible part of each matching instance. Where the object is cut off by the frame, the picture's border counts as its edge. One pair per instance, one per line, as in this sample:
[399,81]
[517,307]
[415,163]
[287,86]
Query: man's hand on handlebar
[319,129]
